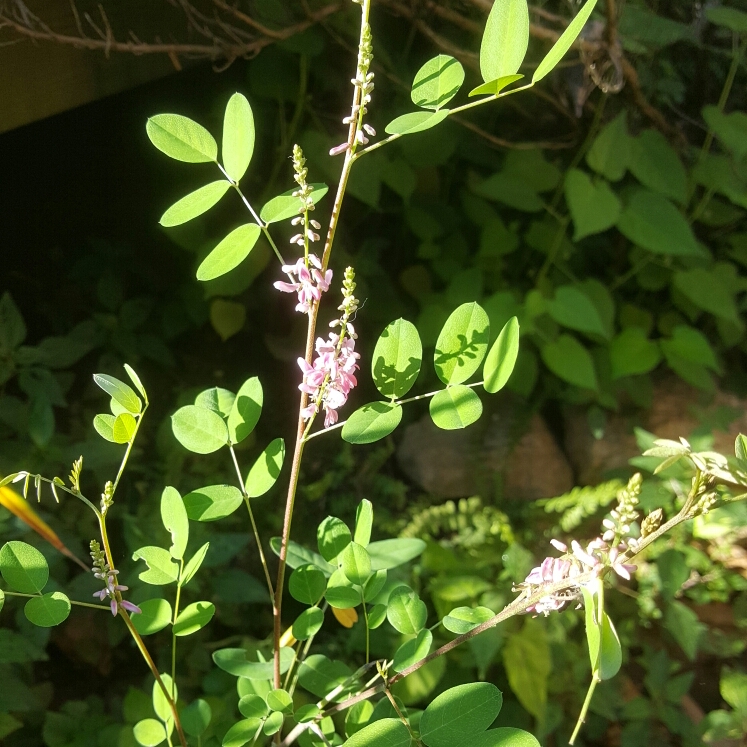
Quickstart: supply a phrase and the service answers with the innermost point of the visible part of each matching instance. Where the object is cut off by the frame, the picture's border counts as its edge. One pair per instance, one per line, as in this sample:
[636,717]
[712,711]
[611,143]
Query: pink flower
[308,282]
[331,376]
[111,590]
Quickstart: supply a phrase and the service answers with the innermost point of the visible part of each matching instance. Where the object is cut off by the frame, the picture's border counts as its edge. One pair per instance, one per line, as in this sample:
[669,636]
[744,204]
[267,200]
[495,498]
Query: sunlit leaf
[372,422]
[396,359]
[462,344]
[212,502]
[194,617]
[286,205]
[494,87]
[199,430]
[409,124]
[266,470]
[505,39]
[412,651]
[23,567]
[119,391]
[162,569]
[247,407]
[47,610]
[356,563]
[308,623]
[565,41]
[182,138]
[386,732]
[194,204]
[155,615]
[501,359]
[230,252]
[175,520]
[406,612]
[307,584]
[363,522]
[234,661]
[437,82]
[455,407]
[238,136]
[194,564]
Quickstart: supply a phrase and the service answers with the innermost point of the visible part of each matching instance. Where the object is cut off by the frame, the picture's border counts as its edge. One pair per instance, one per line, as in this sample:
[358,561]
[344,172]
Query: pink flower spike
[558,545]
[113,605]
[130,607]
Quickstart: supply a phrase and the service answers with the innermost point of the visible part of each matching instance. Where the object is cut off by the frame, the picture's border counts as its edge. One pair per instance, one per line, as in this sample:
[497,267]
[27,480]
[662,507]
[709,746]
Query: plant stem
[173,622]
[299,447]
[77,604]
[368,633]
[247,501]
[151,665]
[402,718]
[585,708]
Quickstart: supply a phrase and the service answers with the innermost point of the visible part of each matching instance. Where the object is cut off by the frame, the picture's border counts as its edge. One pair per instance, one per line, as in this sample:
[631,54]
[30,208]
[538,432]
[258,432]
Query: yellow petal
[347,618]
[287,638]
[22,509]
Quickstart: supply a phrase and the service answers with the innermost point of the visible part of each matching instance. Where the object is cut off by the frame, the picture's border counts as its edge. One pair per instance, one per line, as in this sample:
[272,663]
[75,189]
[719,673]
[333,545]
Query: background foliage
[609,218]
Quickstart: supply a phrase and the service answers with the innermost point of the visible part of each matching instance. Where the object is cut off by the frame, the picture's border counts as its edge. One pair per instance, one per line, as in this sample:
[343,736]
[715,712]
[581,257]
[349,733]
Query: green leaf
[194,204]
[462,344]
[308,623]
[564,42]
[654,223]
[740,447]
[47,610]
[707,291]
[247,407]
[120,392]
[220,401]
[460,714]
[253,706]
[409,124]
[731,18]
[234,661]
[657,166]
[573,308]
[341,592]
[376,616]
[499,364]
[194,564]
[238,136]
[279,700]
[374,585]
[286,205]
[733,688]
[505,736]
[372,422]
[494,87]
[307,584]
[136,380]
[320,675]
[505,40]
[241,733]
[123,428]
[390,553]
[162,569]
[363,523]
[355,563]
[568,359]
[526,657]
[12,326]
[463,619]
[609,154]
[266,470]
[212,502]
[386,732]
[357,717]
[181,138]
[160,704]
[594,206]
[730,129]
[273,724]
[684,626]
[673,572]
[309,712]
[406,612]
[610,651]
[194,617]
[455,407]
[396,360]
[333,536]
[437,82]
[175,520]
[413,651]
[104,425]
[149,732]
[23,567]
[230,252]
[155,615]
[196,717]
[199,430]
[632,353]
[690,345]
[298,555]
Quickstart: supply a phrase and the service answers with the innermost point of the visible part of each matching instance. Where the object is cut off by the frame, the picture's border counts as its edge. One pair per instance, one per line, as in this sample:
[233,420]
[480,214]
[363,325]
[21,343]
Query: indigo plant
[287,693]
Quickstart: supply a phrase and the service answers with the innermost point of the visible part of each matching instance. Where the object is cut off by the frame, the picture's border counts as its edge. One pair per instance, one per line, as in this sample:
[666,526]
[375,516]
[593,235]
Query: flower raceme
[309,282]
[331,377]
[110,591]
